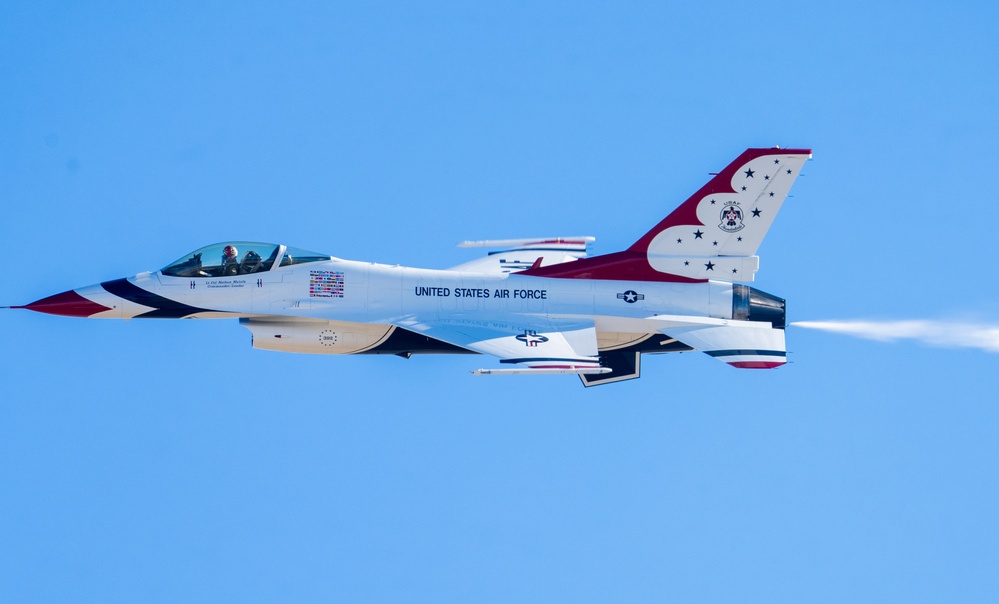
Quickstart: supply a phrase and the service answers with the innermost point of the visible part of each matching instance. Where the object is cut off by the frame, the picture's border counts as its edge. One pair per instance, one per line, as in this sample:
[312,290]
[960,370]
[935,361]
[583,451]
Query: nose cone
[67,304]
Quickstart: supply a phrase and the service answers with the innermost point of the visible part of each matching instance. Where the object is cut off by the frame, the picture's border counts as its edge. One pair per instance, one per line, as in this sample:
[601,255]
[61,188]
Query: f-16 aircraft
[537,305]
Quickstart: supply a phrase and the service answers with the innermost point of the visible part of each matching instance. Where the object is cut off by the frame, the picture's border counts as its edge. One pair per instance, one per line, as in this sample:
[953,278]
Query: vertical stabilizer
[714,234]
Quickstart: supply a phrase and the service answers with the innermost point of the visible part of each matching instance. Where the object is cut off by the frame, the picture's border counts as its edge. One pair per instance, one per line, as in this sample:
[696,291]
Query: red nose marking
[67,304]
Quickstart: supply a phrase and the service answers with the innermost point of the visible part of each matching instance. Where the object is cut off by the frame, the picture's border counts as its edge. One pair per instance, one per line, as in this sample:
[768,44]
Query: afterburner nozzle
[751,304]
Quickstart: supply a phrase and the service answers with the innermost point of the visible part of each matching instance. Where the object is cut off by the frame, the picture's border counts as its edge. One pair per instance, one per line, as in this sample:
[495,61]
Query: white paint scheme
[378,296]
[562,315]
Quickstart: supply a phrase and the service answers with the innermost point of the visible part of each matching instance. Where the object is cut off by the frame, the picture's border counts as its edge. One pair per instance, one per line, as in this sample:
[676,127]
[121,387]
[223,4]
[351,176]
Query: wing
[522,254]
[536,344]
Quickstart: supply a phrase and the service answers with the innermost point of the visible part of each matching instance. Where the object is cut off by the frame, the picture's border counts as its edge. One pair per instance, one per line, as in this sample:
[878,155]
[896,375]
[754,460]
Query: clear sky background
[168,461]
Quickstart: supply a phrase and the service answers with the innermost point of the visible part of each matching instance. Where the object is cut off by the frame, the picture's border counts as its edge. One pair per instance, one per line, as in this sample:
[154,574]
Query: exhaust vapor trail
[934,333]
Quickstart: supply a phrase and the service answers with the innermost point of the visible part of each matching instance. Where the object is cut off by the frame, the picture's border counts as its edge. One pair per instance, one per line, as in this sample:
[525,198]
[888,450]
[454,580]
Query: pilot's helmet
[230,252]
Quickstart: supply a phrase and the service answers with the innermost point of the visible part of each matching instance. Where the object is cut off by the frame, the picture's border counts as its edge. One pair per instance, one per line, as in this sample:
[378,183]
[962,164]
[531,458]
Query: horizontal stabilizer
[742,344]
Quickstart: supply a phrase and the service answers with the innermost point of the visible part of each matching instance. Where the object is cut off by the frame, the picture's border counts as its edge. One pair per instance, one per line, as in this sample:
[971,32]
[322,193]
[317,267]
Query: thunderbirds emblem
[731,218]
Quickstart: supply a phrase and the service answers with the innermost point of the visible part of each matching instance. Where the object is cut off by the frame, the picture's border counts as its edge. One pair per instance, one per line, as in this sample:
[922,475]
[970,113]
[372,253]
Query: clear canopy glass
[237,258]
[295,255]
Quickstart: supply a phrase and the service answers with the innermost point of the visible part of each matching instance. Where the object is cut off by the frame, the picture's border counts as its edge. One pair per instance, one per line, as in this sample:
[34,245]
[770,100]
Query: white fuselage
[363,292]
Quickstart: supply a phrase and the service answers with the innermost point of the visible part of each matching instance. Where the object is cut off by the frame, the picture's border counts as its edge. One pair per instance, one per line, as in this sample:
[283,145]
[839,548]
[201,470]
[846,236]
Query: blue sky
[169,461]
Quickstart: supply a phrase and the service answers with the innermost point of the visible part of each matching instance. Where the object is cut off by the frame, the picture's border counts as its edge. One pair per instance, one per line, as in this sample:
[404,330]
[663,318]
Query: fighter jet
[537,305]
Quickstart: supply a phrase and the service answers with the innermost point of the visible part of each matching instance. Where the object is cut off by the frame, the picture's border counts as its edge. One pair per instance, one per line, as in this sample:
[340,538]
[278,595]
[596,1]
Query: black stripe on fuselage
[746,353]
[404,342]
[165,308]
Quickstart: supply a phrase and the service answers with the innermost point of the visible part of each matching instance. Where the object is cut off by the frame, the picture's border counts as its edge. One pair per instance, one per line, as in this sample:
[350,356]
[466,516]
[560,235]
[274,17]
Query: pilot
[230,263]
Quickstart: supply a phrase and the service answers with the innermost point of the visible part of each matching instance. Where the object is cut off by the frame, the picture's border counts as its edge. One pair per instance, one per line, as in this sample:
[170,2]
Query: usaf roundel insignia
[731,218]
[531,338]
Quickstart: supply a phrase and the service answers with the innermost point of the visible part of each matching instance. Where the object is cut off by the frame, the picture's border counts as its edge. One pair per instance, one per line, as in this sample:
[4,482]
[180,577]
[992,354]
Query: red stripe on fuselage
[619,266]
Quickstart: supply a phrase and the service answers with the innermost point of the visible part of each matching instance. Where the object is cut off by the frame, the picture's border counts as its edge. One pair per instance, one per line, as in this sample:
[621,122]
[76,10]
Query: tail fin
[713,235]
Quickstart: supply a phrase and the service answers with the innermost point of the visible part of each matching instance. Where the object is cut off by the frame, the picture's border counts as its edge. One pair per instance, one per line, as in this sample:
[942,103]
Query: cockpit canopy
[239,258]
